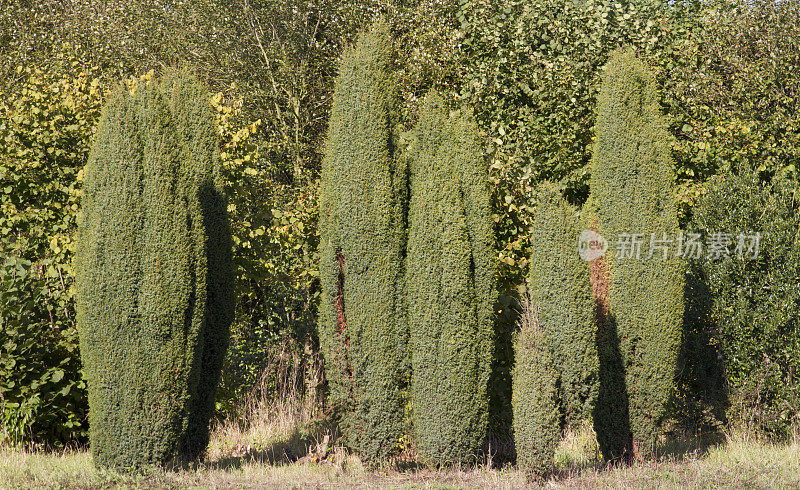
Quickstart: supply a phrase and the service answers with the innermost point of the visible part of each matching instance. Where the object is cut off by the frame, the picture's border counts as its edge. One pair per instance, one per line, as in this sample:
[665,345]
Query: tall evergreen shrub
[363,204]
[535,398]
[451,290]
[560,288]
[556,374]
[632,192]
[154,275]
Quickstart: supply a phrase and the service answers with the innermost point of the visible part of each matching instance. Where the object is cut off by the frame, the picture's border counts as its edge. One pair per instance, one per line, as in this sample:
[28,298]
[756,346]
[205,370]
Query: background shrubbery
[42,392]
[46,123]
[755,304]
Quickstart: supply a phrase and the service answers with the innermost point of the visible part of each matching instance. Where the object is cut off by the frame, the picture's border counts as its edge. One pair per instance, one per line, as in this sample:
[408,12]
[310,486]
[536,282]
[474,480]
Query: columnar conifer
[560,288]
[451,291]
[633,198]
[154,275]
[556,355]
[535,398]
[363,203]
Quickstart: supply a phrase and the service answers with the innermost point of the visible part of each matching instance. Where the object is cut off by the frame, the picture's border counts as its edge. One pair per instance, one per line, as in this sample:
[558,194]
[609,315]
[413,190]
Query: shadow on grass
[308,442]
[579,452]
[681,446]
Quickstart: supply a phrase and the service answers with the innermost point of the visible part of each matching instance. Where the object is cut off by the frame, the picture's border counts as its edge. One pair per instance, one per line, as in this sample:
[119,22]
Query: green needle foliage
[363,202]
[451,289]
[535,398]
[154,275]
[555,380]
[633,192]
[560,288]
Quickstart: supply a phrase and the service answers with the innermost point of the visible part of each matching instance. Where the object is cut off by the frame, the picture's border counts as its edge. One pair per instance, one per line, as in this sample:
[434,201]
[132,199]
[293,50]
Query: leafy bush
[561,292]
[632,194]
[755,303]
[450,285]
[363,202]
[537,413]
[42,394]
[741,108]
[46,123]
[274,238]
[154,275]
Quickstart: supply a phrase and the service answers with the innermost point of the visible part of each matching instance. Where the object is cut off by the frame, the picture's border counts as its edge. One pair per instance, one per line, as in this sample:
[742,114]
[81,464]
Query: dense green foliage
[537,413]
[154,274]
[42,395]
[450,285]
[279,58]
[46,124]
[745,85]
[363,203]
[533,72]
[274,248]
[632,194]
[755,302]
[727,70]
[48,120]
[560,290]
[747,76]
[723,100]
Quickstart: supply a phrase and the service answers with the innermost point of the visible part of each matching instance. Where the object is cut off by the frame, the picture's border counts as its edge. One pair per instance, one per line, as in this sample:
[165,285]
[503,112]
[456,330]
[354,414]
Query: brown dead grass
[741,462]
[286,443]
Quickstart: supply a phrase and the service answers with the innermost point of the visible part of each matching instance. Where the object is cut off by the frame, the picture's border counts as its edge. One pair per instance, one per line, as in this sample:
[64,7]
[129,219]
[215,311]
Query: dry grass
[284,433]
[282,444]
[280,421]
[741,462]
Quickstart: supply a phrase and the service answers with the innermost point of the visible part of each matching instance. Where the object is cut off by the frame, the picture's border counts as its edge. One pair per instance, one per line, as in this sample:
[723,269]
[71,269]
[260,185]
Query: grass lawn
[740,462]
